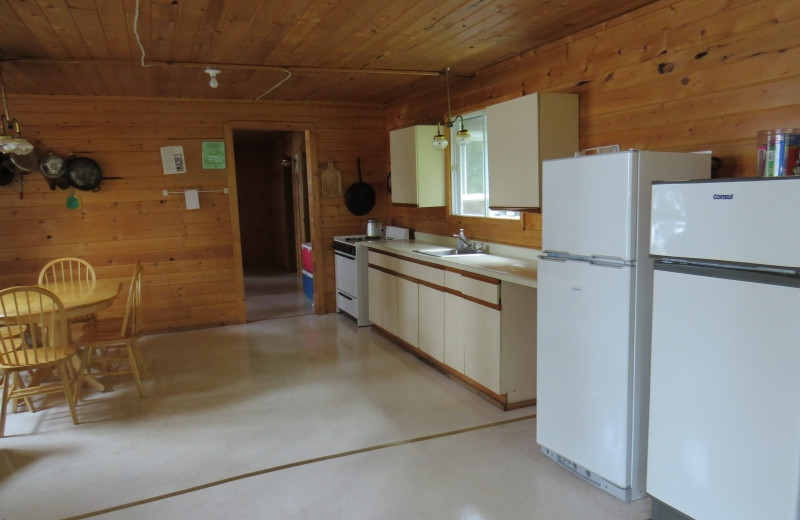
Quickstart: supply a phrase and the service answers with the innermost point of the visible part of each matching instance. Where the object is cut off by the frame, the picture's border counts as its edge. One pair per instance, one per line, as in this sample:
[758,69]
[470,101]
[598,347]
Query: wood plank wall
[191,277]
[675,75]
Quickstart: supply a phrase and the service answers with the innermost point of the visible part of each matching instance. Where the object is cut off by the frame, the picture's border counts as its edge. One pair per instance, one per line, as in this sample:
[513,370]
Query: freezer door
[749,220]
[724,441]
[587,205]
[584,365]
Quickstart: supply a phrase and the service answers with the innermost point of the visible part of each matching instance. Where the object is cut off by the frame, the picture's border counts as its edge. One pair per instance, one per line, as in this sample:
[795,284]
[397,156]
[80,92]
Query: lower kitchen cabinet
[382,299]
[407,311]
[476,326]
[432,322]
[481,331]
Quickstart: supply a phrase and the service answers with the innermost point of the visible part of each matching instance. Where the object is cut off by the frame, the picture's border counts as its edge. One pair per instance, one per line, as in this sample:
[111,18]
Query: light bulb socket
[211,71]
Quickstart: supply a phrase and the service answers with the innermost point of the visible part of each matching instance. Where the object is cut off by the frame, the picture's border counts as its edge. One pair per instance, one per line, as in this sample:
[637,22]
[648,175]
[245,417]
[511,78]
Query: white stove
[351,277]
[351,259]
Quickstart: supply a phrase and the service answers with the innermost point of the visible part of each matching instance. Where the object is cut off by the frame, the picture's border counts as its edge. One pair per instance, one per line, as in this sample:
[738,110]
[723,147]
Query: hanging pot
[21,164]
[53,169]
[84,173]
[360,197]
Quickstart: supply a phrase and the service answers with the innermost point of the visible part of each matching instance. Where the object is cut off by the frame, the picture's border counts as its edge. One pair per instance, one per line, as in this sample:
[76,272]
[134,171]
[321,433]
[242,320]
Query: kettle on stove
[373,228]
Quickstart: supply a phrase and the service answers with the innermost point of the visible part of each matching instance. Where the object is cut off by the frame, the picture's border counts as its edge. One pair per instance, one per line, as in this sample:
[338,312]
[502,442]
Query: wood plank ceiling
[348,51]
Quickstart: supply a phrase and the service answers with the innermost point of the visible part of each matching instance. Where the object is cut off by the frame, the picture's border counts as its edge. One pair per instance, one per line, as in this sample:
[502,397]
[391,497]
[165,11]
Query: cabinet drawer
[425,273]
[488,292]
[347,304]
[385,261]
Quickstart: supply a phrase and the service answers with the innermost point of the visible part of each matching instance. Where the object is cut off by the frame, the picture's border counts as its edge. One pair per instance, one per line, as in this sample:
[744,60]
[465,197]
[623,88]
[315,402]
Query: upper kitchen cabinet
[417,167]
[523,132]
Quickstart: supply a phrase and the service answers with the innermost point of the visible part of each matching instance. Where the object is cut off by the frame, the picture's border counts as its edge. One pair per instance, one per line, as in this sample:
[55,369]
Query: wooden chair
[67,269]
[110,343]
[34,336]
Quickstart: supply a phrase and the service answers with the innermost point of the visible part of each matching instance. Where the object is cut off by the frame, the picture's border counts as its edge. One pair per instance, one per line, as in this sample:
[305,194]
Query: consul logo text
[718,196]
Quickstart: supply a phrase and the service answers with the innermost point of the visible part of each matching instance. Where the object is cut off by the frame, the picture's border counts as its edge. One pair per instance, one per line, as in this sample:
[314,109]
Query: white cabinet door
[389,303]
[481,327]
[382,300]
[418,174]
[453,332]
[522,133]
[431,322]
[407,311]
[375,290]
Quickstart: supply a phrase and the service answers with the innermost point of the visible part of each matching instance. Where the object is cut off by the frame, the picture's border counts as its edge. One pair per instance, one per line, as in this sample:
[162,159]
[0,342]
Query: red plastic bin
[305,255]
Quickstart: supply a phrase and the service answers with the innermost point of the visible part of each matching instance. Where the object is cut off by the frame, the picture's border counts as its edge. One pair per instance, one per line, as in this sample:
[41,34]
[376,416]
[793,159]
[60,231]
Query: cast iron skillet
[360,197]
[84,173]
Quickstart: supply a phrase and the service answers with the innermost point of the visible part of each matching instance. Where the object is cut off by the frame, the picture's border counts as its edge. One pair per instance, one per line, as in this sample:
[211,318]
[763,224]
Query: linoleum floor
[303,417]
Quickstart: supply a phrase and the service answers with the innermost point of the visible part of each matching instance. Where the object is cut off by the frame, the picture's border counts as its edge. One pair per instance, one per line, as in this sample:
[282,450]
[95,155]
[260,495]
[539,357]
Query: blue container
[308,284]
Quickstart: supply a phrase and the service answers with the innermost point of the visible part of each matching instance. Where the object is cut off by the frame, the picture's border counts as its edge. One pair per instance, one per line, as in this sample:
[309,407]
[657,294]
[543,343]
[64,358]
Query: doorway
[273,221]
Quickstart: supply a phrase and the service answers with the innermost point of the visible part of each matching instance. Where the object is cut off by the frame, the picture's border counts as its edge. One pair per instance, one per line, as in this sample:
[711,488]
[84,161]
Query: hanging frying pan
[84,173]
[359,197]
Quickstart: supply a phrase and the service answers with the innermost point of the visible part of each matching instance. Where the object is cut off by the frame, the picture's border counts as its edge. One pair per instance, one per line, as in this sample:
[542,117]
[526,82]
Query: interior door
[584,363]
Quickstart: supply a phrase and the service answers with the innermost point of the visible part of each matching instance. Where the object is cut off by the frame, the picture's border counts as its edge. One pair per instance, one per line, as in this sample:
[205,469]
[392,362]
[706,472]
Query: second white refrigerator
[594,303]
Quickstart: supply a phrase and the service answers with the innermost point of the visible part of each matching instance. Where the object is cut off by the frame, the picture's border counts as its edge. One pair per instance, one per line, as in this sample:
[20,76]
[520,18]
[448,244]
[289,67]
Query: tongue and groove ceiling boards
[341,51]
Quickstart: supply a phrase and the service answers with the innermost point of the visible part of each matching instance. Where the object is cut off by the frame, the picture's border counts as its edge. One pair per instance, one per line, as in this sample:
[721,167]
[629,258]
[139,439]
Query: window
[470,171]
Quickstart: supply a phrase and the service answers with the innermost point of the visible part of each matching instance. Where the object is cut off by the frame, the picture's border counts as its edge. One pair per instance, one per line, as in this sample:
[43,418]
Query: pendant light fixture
[211,71]
[11,143]
[462,136]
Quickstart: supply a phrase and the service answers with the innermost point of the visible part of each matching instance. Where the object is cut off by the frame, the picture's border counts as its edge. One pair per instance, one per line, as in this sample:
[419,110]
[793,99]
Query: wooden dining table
[80,298]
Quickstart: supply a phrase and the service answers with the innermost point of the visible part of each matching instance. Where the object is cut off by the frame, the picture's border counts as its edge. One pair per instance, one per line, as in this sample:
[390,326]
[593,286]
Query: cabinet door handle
[345,296]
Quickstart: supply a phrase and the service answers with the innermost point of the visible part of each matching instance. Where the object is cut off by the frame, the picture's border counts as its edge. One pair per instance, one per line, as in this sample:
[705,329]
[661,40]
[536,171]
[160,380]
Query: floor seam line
[297,464]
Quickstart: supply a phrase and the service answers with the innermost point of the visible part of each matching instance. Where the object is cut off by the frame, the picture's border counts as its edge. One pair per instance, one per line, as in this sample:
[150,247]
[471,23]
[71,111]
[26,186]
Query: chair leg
[131,347]
[5,405]
[137,353]
[17,382]
[68,388]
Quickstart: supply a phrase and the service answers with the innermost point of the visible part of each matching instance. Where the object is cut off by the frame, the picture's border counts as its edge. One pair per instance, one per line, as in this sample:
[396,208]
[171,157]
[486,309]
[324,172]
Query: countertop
[505,268]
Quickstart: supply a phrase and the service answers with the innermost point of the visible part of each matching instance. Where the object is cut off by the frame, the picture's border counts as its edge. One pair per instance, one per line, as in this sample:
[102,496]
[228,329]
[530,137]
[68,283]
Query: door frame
[310,132]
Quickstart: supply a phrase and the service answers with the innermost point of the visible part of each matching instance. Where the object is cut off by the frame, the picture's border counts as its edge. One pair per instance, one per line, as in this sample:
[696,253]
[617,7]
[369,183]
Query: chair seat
[36,357]
[103,330]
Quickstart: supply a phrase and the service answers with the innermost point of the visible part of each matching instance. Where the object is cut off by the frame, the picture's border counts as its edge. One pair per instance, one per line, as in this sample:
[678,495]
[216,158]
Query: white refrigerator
[724,441]
[594,300]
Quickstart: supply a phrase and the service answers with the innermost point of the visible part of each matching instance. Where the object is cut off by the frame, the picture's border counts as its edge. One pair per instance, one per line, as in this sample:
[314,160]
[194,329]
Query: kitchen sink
[442,251]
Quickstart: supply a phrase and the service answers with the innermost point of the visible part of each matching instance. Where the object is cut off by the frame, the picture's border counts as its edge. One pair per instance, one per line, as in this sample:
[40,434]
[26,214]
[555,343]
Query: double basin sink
[446,251]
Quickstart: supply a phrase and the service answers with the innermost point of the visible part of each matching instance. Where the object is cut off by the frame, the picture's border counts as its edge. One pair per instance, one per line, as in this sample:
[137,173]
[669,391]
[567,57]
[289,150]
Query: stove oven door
[346,283]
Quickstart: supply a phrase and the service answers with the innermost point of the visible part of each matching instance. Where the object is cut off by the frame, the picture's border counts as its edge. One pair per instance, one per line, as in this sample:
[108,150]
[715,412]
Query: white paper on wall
[192,199]
[172,160]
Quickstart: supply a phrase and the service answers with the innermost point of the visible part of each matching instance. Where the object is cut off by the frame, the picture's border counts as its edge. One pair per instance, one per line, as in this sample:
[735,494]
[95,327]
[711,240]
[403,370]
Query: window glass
[470,170]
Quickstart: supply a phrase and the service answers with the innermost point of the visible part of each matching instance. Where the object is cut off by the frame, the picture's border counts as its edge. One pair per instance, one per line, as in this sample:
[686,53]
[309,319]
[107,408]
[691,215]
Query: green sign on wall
[213,155]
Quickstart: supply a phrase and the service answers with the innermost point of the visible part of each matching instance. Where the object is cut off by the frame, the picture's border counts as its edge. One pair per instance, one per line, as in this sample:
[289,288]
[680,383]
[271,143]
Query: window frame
[457,178]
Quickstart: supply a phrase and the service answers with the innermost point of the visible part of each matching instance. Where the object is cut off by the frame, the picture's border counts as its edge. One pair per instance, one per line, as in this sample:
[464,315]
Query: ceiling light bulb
[213,83]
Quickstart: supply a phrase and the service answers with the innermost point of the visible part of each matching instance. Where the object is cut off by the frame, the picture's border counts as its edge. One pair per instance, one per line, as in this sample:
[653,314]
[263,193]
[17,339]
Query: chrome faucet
[463,243]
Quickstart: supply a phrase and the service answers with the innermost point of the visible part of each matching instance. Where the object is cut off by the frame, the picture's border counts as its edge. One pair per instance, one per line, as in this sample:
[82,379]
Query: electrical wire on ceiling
[136,32]
[281,82]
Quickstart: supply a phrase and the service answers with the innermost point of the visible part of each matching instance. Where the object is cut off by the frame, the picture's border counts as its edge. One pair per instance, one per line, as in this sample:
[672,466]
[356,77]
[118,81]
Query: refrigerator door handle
[610,261]
[563,256]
